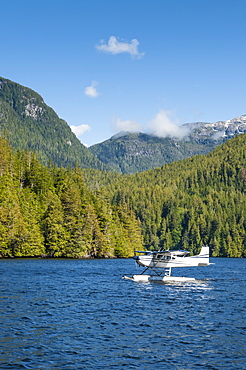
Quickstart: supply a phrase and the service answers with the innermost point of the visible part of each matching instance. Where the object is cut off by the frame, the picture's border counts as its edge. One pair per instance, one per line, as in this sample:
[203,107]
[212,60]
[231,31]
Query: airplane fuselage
[173,259]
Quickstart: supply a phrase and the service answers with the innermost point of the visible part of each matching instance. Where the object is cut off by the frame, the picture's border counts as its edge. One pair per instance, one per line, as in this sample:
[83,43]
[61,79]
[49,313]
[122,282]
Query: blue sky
[140,65]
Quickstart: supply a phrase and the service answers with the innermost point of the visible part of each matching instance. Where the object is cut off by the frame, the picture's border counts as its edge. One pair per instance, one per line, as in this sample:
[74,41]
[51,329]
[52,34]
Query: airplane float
[161,262]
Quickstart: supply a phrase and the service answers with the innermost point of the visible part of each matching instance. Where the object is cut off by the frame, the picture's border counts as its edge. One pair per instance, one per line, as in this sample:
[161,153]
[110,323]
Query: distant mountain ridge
[29,123]
[135,152]
[221,129]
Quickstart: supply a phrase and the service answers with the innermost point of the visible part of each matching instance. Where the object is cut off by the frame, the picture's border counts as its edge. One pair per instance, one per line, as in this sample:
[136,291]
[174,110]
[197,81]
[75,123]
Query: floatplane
[160,264]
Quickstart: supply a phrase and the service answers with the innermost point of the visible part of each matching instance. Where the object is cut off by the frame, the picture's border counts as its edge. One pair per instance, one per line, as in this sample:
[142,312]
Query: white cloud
[127,125]
[116,47]
[91,91]
[80,130]
[163,126]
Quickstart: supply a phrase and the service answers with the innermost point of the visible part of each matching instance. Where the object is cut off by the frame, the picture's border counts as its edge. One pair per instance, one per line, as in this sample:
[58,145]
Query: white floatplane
[160,264]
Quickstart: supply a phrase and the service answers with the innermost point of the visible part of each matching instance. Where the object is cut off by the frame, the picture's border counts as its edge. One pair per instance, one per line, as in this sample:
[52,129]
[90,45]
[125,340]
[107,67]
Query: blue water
[81,314]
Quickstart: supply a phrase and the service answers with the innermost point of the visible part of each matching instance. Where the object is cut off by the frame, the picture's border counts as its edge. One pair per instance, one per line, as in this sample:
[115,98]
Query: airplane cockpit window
[166,257]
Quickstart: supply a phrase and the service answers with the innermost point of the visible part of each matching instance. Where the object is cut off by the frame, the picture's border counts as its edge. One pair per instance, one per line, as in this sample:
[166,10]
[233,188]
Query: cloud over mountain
[163,126]
[127,125]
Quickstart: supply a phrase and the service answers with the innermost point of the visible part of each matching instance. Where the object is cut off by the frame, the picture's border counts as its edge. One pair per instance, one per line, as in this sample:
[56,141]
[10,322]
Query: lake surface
[81,314]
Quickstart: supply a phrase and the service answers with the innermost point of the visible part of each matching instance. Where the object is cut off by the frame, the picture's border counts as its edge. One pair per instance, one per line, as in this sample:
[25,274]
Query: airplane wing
[179,253]
[145,252]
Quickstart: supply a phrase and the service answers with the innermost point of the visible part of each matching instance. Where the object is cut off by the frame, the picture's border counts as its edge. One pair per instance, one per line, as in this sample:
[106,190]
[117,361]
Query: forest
[184,204]
[47,211]
[77,213]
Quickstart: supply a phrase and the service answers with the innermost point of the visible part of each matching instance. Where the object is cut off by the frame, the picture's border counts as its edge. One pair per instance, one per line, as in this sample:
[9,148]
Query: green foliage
[187,203]
[46,211]
[30,124]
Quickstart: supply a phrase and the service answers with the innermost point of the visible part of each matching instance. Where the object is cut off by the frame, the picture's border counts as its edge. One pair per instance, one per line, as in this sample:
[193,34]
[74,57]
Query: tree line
[184,204]
[58,212]
[50,212]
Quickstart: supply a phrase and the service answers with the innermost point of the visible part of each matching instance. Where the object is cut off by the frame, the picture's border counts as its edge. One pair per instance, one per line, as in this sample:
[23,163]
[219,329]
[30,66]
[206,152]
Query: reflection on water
[75,314]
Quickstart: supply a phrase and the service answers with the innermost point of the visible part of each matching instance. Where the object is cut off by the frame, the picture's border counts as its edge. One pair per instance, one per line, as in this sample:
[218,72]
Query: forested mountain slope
[49,212]
[136,152]
[76,213]
[29,123]
[187,203]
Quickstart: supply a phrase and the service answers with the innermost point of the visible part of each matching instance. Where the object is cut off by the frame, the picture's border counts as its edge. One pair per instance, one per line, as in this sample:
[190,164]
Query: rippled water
[81,314]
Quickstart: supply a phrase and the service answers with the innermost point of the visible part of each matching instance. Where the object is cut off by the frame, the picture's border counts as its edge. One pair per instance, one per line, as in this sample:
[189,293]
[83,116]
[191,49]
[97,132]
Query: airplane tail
[204,251]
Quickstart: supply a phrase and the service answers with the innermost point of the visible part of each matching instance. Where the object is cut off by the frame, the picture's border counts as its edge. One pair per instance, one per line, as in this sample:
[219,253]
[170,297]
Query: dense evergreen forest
[49,212]
[200,200]
[57,212]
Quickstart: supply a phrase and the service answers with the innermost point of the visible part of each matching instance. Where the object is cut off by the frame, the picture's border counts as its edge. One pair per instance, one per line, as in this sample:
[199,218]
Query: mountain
[184,204]
[218,130]
[135,152]
[28,123]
